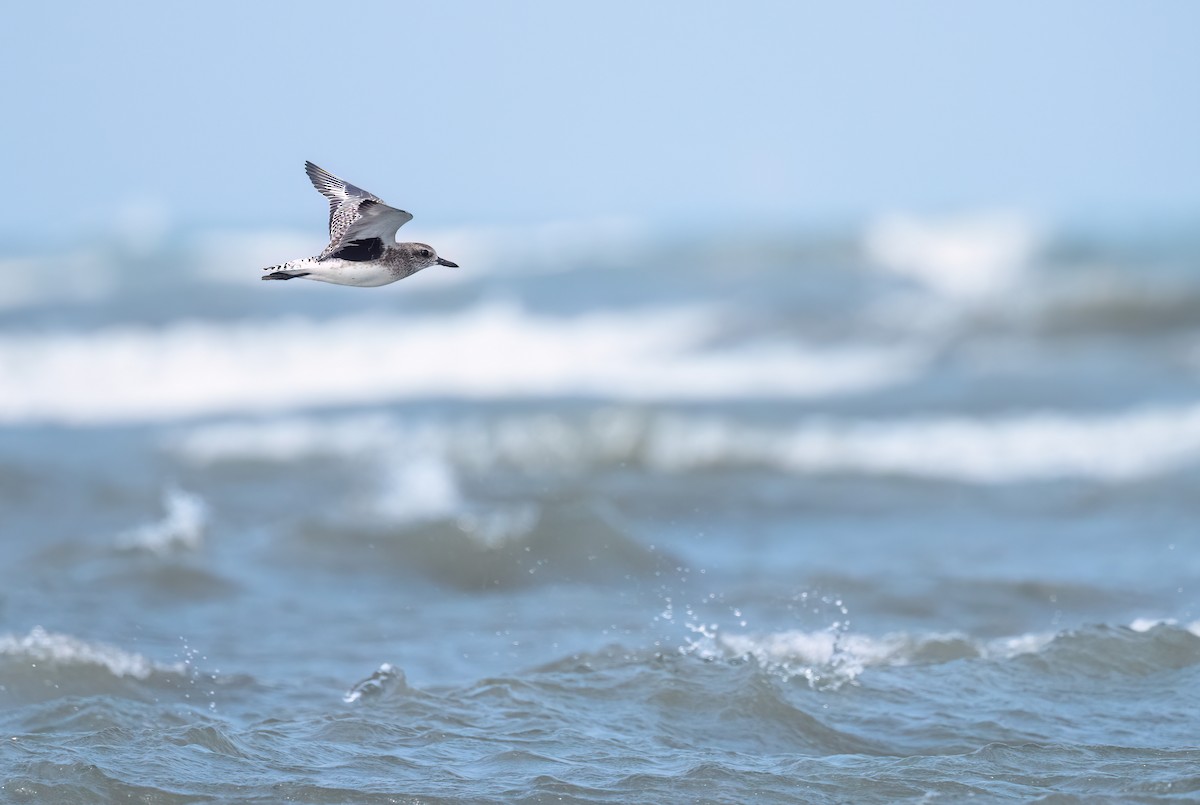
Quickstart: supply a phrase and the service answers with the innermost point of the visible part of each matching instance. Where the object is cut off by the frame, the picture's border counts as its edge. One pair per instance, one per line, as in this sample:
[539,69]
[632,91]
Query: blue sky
[669,112]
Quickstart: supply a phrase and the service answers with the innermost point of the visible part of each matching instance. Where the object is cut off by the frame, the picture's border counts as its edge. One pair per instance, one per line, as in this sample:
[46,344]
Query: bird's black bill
[442,262]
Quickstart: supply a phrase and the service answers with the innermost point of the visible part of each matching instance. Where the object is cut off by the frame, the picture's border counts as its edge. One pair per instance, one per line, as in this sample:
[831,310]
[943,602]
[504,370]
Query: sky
[201,115]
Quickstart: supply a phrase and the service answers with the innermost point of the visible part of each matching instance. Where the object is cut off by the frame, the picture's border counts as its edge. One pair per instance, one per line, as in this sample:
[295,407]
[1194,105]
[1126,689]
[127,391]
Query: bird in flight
[362,246]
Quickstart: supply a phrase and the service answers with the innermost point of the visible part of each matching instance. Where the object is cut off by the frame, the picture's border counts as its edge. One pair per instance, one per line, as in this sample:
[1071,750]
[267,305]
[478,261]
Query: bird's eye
[425,252]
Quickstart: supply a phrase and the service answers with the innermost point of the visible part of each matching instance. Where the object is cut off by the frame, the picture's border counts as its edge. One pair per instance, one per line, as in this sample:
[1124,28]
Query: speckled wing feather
[354,213]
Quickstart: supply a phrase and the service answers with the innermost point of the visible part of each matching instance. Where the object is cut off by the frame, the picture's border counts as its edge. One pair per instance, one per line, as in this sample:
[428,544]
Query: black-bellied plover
[362,246]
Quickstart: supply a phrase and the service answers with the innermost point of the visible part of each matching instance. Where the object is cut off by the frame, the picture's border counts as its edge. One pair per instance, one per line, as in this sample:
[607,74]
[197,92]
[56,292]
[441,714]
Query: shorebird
[362,246]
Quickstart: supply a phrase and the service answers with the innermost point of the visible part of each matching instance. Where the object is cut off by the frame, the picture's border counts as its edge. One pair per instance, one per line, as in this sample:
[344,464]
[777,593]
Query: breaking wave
[1118,446]
[44,666]
[181,528]
[965,257]
[494,351]
[55,650]
[827,659]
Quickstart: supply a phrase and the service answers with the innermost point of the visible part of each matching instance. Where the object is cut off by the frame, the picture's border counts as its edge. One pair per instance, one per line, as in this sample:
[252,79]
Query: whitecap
[52,648]
[963,257]
[286,439]
[830,658]
[416,488]
[1125,445]
[181,528]
[498,525]
[1016,645]
[1112,447]
[826,659]
[386,680]
[133,373]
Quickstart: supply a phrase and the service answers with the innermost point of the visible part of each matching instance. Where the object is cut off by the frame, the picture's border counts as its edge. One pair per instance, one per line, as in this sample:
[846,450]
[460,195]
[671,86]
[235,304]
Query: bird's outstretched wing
[354,213]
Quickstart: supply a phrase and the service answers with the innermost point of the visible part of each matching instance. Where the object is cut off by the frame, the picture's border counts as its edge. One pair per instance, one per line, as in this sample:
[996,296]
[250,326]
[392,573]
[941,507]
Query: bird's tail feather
[287,271]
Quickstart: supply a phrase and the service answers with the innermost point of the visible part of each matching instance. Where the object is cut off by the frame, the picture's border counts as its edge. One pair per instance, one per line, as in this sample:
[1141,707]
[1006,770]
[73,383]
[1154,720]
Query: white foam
[963,257]
[182,527]
[827,659]
[495,351]
[416,488]
[1016,645]
[1121,446]
[388,679]
[287,439]
[832,657]
[40,647]
[537,441]
[1040,446]
[494,526]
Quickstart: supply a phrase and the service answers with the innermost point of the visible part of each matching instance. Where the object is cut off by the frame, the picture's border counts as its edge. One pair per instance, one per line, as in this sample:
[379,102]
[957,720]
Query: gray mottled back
[354,213]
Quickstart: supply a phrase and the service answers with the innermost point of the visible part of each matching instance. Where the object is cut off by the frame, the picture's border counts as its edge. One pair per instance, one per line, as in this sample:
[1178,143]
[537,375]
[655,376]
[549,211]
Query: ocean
[904,512]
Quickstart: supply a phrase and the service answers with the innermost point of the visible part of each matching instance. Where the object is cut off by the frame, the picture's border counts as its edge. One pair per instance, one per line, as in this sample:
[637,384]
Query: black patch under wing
[361,251]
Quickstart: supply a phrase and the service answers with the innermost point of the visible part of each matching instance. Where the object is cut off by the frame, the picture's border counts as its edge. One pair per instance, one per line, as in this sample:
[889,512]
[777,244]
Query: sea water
[606,515]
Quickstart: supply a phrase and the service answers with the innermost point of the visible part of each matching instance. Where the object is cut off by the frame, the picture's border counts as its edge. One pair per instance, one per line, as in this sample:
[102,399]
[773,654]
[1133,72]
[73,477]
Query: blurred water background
[815,416]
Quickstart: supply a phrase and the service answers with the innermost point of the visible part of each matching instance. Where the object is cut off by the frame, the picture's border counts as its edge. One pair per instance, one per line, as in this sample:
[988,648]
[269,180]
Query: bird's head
[425,256]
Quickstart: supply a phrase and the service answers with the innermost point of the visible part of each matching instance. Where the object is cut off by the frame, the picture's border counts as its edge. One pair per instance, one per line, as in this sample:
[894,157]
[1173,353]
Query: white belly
[348,272]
